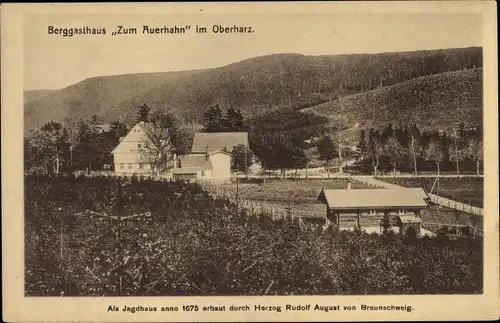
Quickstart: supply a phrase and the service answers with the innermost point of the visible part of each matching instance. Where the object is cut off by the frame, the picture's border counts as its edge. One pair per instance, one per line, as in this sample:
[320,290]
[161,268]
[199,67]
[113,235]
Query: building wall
[128,153]
[367,219]
[221,166]
[139,168]
[200,174]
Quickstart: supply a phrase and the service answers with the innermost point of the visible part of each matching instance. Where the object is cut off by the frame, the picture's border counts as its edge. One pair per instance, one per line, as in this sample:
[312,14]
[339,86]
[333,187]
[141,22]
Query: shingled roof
[195,162]
[374,198]
[213,141]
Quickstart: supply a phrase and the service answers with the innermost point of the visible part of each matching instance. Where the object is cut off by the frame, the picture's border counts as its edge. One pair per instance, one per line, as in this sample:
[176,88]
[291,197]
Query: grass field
[299,194]
[446,216]
[467,190]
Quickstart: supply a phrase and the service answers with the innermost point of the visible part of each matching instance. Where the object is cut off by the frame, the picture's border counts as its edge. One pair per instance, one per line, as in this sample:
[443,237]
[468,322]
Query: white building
[128,156]
[210,156]
[215,165]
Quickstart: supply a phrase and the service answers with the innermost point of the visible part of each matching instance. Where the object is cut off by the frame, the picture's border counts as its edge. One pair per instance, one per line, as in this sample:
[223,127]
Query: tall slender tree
[213,120]
[475,152]
[159,140]
[326,150]
[233,120]
[143,113]
[395,151]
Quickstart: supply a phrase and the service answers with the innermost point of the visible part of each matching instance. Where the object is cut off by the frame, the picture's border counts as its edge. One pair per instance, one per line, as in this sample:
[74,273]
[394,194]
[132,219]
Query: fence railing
[452,204]
[259,208]
[456,205]
[458,229]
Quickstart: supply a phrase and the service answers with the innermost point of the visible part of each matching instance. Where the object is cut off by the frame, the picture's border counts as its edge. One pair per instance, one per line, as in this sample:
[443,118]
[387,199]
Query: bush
[193,244]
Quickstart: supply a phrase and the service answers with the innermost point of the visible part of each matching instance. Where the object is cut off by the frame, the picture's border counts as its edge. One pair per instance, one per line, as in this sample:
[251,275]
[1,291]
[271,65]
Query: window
[203,173]
[129,166]
[121,166]
[139,145]
[141,166]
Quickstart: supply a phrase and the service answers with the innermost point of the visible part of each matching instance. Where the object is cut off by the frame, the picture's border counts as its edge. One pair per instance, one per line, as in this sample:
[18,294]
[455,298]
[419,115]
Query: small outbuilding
[351,208]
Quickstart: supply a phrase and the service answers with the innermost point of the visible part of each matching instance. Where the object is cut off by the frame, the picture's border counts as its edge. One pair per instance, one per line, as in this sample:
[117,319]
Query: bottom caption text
[259,308]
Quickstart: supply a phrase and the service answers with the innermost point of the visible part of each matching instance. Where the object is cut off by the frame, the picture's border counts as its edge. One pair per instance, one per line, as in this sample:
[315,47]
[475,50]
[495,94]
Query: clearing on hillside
[467,190]
[438,101]
[301,195]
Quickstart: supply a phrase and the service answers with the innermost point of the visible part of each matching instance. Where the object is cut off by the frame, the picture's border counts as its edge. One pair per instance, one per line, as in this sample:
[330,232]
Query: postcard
[258,162]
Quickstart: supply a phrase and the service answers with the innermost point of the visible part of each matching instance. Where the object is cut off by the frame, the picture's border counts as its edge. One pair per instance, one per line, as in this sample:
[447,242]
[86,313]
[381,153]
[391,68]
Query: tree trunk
[328,169]
[414,156]
[340,153]
[375,166]
[57,163]
[437,184]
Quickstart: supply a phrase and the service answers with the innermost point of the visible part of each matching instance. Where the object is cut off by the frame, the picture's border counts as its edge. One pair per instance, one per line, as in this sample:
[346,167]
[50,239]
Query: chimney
[349,185]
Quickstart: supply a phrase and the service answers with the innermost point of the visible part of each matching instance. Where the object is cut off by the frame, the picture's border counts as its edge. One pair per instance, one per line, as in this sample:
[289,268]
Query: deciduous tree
[395,151]
[159,140]
[435,153]
[241,158]
[475,152]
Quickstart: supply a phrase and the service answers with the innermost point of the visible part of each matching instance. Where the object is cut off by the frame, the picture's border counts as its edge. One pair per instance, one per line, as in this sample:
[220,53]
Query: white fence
[434,198]
[456,205]
[456,228]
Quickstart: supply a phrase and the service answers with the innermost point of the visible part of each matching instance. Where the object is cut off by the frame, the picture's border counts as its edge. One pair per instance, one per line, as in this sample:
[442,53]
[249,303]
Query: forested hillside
[436,102]
[255,85]
[33,95]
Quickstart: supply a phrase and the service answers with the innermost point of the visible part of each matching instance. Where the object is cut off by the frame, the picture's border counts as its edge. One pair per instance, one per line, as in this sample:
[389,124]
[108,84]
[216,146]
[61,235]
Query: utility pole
[455,137]
[437,184]
[61,244]
[246,161]
[237,194]
[57,159]
[71,156]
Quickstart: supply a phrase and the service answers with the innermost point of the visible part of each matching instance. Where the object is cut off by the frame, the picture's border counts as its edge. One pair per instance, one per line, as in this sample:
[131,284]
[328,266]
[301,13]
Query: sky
[54,61]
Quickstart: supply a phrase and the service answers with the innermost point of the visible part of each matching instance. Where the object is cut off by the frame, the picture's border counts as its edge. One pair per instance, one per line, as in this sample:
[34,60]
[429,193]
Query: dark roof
[374,198]
[195,161]
[212,141]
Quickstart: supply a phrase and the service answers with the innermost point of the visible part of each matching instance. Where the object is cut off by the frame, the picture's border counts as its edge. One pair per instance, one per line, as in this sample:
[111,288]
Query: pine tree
[233,121]
[326,150]
[95,120]
[213,120]
[143,113]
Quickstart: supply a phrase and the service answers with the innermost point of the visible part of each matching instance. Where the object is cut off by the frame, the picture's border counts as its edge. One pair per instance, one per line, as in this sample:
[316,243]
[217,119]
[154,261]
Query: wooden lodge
[365,208]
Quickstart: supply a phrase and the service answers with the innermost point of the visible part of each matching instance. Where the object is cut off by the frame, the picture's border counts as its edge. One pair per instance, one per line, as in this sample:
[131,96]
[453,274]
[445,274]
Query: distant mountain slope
[92,96]
[33,95]
[254,85]
[439,101]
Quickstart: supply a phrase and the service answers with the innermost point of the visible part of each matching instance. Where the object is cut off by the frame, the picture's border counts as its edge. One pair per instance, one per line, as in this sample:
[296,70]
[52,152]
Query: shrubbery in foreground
[193,243]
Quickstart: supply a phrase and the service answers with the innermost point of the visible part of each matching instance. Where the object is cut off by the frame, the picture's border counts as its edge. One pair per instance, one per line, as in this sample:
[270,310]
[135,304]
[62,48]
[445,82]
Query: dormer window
[401,212]
[138,145]
[373,212]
